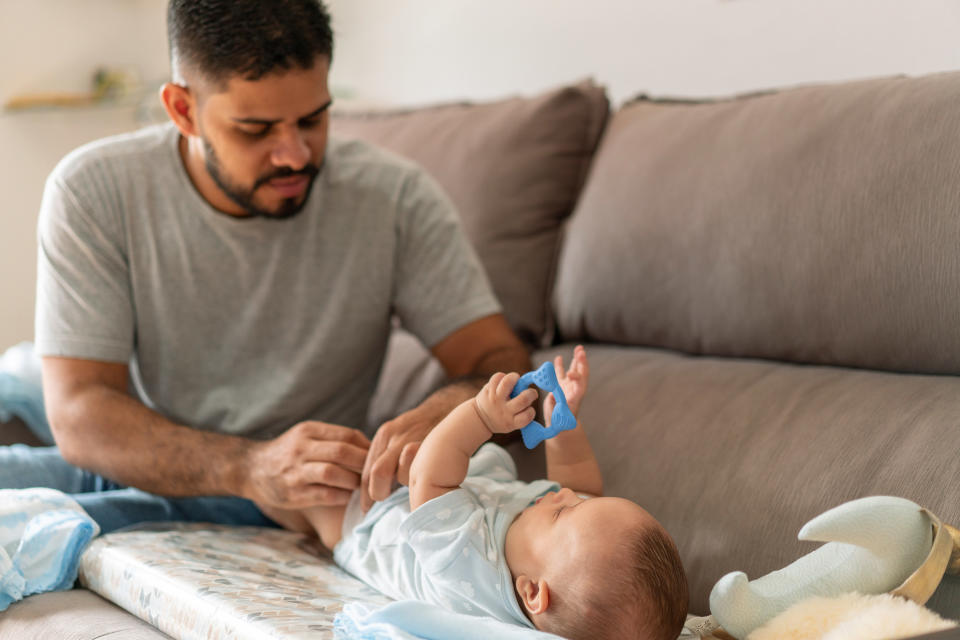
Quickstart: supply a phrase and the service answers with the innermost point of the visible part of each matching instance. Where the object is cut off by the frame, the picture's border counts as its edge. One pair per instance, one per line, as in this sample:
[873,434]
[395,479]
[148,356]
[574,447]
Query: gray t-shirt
[247,326]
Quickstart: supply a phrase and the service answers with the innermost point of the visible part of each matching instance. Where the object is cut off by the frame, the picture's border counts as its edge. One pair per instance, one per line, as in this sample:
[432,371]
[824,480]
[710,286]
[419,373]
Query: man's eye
[556,514]
[258,133]
[309,124]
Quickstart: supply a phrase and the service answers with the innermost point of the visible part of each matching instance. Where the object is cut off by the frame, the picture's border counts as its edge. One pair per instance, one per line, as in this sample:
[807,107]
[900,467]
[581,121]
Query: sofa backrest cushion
[514,168]
[814,225]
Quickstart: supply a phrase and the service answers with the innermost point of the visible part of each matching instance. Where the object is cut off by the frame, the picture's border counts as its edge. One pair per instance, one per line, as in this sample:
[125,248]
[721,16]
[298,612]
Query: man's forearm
[115,435]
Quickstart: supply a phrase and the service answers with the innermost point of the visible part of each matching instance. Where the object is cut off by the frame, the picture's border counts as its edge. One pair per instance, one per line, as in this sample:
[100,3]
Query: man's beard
[243,197]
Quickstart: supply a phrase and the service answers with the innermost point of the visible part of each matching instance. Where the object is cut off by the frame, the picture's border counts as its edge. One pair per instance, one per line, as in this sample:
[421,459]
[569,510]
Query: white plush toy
[852,617]
[873,545]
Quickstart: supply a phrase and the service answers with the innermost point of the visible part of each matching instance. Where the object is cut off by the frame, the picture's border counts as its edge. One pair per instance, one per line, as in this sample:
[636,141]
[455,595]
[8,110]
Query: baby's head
[596,568]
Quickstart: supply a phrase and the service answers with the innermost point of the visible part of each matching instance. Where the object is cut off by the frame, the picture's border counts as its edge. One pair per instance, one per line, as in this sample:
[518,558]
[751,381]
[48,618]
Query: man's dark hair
[251,38]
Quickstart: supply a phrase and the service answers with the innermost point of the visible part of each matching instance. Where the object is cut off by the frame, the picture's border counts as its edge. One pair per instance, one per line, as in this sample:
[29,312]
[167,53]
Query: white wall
[55,45]
[418,51]
[429,50]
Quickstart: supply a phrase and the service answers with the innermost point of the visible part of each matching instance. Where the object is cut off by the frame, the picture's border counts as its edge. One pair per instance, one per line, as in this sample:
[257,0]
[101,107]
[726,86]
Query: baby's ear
[535,595]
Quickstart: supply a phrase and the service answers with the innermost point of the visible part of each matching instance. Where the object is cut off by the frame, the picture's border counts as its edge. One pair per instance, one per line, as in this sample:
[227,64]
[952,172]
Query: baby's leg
[327,522]
[323,522]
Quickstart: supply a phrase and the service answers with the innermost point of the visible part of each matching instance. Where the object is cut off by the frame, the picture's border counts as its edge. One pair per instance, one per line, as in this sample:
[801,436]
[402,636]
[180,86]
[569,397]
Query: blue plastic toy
[562,419]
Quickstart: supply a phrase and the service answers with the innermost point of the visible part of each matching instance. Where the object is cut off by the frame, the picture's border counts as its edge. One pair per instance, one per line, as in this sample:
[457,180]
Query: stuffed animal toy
[852,616]
[873,545]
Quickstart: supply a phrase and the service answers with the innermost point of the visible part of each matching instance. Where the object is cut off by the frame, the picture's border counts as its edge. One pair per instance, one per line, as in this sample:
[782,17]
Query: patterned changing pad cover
[195,581]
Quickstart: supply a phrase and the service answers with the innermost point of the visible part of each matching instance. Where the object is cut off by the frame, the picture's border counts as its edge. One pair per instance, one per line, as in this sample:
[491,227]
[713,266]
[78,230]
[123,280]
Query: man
[215,295]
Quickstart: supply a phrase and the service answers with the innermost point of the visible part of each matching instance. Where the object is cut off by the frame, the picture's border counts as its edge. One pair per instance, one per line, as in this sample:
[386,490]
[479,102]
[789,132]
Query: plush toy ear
[535,595]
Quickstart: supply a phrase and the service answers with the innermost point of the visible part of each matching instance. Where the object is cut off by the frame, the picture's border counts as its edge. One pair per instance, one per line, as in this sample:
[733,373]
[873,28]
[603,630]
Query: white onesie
[449,552]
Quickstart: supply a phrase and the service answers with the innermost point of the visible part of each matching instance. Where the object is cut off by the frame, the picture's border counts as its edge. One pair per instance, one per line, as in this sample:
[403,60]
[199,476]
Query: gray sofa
[768,288]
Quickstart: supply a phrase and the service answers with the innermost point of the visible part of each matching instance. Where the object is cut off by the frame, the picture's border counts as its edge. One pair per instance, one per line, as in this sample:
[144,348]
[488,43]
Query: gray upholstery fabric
[514,169]
[734,456]
[72,615]
[816,225]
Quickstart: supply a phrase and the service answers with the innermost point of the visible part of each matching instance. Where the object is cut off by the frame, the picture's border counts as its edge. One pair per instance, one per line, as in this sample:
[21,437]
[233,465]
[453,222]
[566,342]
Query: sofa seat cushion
[734,456]
[72,615]
[514,169]
[815,225]
[210,581]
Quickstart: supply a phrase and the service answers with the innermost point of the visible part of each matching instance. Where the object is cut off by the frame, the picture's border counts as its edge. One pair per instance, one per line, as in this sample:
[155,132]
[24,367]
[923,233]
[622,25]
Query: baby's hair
[660,579]
[639,594]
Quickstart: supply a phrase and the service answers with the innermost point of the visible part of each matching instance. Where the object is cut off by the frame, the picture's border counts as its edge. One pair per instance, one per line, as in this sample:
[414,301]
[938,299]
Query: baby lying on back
[468,536]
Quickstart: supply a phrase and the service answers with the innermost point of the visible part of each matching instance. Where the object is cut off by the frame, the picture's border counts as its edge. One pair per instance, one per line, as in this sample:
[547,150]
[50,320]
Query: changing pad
[195,581]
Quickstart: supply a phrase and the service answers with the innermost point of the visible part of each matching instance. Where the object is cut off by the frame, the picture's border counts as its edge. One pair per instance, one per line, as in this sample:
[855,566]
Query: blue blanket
[42,534]
[412,620]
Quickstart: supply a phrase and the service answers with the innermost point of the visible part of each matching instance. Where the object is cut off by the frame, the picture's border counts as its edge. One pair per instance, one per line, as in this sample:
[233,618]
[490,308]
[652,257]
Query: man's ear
[535,595]
[181,107]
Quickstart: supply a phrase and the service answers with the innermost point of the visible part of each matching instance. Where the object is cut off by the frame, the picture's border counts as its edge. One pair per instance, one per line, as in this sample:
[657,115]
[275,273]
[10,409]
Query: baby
[466,535]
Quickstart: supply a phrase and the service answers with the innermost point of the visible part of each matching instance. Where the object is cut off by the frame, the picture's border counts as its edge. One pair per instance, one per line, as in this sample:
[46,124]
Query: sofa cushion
[814,225]
[514,169]
[734,456]
[72,615]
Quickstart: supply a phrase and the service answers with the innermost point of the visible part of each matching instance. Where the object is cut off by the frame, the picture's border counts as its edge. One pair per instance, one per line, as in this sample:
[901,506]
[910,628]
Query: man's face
[264,140]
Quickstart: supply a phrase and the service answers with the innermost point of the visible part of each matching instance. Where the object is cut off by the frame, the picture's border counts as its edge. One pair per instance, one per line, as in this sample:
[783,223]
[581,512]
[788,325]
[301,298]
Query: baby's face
[561,531]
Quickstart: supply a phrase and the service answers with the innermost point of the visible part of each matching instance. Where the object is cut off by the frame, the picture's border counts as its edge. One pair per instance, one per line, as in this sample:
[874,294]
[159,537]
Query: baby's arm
[441,463]
[570,459]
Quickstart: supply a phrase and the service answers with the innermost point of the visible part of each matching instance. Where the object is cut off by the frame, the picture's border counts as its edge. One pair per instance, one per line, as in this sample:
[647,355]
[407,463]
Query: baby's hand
[498,411]
[573,381]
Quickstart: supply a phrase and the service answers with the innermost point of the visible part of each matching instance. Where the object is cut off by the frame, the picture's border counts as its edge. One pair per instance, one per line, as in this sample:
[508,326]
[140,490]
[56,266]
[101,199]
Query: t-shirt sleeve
[84,308]
[441,285]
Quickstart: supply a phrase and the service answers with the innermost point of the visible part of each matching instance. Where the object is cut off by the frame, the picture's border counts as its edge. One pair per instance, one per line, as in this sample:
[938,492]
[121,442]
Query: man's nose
[564,494]
[291,151]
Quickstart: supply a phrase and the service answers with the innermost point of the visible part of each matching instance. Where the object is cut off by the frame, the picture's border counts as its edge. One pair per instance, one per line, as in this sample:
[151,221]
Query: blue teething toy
[562,419]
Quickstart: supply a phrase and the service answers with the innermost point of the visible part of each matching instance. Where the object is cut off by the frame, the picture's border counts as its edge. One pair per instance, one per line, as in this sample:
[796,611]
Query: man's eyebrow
[263,121]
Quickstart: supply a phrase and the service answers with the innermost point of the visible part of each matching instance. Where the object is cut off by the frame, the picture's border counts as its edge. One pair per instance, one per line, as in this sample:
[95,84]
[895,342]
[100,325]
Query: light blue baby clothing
[449,552]
[42,534]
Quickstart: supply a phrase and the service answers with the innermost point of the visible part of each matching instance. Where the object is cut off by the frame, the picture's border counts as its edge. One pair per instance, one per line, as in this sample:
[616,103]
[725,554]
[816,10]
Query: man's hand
[392,452]
[311,464]
[476,349]
[499,412]
[573,381]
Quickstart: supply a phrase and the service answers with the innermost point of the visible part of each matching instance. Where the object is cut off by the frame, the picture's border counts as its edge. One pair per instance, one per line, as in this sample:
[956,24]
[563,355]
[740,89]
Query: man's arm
[99,427]
[470,354]
[442,460]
